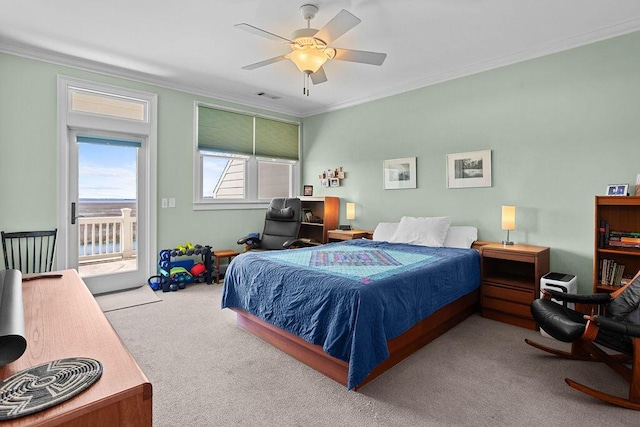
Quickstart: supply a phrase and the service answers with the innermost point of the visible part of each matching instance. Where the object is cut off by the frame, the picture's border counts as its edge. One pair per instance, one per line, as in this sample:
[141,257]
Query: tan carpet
[206,371]
[129,298]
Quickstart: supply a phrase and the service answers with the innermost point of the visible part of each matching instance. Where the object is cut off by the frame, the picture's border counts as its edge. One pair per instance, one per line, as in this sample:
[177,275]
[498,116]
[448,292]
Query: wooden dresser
[62,319]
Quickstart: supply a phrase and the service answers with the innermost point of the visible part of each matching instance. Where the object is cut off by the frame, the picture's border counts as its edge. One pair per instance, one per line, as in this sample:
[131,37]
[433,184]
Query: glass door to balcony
[104,205]
[107,138]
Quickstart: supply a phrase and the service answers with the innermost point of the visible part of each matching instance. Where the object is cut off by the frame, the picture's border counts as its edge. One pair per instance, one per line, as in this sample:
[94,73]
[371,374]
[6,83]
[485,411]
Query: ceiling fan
[310,47]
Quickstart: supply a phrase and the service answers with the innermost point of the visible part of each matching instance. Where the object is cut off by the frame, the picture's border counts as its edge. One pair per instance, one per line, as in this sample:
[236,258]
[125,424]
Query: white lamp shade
[308,59]
[508,217]
[351,211]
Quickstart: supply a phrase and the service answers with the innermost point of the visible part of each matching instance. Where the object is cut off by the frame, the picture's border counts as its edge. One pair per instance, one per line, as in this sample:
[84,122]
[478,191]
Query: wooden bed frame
[401,347]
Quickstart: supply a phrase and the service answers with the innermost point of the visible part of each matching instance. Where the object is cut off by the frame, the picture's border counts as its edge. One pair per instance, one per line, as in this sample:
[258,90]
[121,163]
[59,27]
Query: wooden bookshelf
[325,211]
[622,213]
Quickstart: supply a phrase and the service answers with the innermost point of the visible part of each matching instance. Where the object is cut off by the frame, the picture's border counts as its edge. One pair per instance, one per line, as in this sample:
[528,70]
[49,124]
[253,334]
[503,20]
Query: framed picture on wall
[308,190]
[472,169]
[399,173]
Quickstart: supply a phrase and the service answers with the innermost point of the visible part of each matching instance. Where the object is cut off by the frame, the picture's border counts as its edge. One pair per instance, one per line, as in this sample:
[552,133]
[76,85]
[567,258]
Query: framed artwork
[617,189]
[399,173]
[324,182]
[472,169]
[334,182]
[308,190]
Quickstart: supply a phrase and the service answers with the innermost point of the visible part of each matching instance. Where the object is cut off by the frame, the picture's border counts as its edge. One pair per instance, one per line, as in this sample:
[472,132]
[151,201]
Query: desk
[62,319]
[227,253]
[336,235]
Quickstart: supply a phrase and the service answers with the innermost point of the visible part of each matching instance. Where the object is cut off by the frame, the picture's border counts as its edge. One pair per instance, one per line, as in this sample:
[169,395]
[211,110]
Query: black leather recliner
[281,226]
[616,328]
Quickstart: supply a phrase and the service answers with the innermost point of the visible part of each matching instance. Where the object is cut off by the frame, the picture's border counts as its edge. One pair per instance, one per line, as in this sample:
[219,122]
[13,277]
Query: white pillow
[460,237]
[384,231]
[426,231]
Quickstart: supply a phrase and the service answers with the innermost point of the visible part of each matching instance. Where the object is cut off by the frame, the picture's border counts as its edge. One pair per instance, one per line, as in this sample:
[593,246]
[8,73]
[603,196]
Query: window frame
[251,200]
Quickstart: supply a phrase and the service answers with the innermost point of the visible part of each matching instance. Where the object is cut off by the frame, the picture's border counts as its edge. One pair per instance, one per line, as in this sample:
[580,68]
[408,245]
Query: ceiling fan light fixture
[308,59]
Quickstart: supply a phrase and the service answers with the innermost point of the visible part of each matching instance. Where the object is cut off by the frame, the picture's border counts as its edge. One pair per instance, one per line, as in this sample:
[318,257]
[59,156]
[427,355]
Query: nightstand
[336,235]
[511,281]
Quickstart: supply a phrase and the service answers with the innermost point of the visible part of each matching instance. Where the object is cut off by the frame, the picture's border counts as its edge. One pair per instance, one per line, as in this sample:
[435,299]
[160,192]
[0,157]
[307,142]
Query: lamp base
[507,243]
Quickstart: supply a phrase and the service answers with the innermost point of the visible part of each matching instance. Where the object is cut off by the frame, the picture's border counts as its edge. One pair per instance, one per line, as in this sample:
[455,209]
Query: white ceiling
[192,45]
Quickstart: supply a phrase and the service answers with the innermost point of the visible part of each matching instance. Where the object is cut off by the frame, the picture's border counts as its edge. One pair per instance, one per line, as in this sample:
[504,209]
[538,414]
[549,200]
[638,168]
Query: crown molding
[579,40]
[88,65]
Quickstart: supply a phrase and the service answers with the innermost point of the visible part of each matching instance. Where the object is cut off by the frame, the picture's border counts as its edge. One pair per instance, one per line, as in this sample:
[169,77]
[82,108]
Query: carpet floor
[206,371]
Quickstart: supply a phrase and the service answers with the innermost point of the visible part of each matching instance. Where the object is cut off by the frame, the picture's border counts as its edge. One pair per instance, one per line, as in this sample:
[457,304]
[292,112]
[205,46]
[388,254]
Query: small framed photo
[330,174]
[334,182]
[399,173]
[341,175]
[471,169]
[308,190]
[617,189]
[324,182]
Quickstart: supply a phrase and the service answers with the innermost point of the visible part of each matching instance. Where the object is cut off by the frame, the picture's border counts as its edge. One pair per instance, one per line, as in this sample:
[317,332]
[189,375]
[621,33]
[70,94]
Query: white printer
[561,282]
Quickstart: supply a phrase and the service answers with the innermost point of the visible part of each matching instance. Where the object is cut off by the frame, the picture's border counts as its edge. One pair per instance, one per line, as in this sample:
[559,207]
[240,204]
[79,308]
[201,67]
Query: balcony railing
[107,237]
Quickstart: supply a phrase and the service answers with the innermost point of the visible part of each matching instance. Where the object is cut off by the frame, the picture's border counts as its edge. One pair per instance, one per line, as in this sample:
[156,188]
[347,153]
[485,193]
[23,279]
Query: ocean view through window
[107,204]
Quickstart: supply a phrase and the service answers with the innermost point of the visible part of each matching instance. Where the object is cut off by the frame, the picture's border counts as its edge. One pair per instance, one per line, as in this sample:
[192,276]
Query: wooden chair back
[29,251]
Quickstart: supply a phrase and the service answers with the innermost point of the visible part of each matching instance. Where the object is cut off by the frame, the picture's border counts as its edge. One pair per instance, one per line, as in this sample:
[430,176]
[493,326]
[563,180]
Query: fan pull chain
[305,84]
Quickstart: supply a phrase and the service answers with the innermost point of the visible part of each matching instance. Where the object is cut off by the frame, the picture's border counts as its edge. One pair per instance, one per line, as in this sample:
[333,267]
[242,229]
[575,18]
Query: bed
[351,310]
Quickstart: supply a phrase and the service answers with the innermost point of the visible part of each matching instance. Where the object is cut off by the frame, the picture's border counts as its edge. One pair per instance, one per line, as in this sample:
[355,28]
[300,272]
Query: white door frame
[69,121]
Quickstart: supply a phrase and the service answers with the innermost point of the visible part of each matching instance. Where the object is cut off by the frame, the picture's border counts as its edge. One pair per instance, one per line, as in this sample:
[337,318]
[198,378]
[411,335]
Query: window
[273,179]
[243,159]
[222,177]
[104,104]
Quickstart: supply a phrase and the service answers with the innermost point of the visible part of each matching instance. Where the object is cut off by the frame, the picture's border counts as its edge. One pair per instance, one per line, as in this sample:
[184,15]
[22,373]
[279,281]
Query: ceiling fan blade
[340,24]
[259,32]
[362,56]
[263,63]
[319,76]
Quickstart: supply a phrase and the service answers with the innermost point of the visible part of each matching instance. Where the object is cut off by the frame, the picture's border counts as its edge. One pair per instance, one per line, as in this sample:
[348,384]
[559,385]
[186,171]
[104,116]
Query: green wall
[28,163]
[560,128]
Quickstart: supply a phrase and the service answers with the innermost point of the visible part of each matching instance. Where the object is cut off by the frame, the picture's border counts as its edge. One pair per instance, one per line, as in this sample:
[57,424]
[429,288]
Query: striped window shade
[276,139]
[224,131]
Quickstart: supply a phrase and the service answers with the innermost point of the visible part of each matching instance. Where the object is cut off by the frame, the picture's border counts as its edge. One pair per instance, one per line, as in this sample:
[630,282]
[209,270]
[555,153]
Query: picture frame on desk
[617,189]
[308,190]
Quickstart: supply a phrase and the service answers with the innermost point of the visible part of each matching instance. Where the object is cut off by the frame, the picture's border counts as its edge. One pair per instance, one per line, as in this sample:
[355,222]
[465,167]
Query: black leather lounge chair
[615,327]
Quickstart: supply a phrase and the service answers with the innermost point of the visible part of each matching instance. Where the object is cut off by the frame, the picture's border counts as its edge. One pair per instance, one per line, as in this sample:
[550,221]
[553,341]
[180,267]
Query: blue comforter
[350,297]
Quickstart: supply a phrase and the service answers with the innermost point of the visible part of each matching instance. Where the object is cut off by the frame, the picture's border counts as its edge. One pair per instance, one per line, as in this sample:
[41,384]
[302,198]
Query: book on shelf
[611,272]
[618,239]
[624,244]
[602,233]
[625,234]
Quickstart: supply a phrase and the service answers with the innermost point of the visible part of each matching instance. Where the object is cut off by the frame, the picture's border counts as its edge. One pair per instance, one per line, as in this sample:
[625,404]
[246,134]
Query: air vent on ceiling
[268,95]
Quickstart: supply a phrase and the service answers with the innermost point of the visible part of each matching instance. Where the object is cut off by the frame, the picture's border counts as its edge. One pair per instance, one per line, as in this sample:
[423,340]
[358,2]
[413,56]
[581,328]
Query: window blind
[224,131]
[230,132]
[108,141]
[276,139]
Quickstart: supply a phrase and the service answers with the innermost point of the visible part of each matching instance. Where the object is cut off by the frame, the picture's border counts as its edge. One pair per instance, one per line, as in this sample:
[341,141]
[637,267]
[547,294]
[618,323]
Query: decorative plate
[46,385]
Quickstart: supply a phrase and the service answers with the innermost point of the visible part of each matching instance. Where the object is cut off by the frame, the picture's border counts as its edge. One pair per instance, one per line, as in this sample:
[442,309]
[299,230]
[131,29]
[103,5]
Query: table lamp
[508,221]
[351,212]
